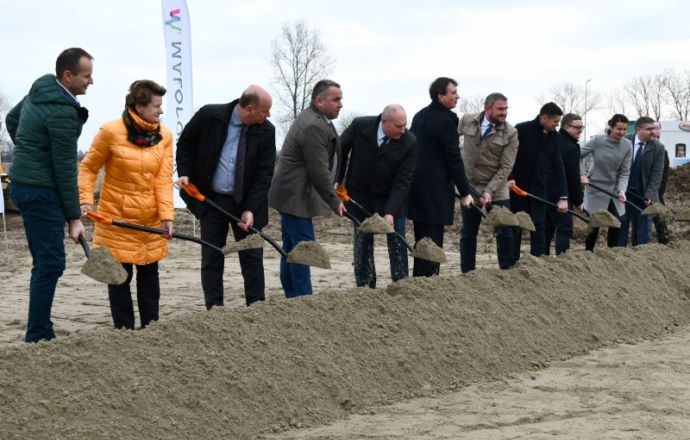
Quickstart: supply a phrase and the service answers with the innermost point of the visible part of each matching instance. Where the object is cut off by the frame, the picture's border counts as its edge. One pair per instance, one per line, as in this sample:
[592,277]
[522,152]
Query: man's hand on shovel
[247,218]
[467,200]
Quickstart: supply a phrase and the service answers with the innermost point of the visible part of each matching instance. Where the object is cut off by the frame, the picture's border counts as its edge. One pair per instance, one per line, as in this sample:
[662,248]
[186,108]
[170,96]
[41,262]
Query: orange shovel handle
[341,192]
[98,218]
[519,191]
[193,191]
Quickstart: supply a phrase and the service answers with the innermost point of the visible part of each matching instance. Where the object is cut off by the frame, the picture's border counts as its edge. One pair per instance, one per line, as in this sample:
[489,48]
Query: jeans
[471,218]
[560,225]
[641,224]
[214,229]
[44,224]
[365,270]
[295,278]
[148,297]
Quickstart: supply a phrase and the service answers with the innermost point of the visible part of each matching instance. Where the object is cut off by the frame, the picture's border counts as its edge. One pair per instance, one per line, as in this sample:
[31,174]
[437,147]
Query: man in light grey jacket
[302,186]
[489,149]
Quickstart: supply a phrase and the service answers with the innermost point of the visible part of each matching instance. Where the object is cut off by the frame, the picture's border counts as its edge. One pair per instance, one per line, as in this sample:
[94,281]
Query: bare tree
[618,102]
[571,98]
[299,60]
[471,104]
[6,144]
[344,120]
[639,91]
[678,88]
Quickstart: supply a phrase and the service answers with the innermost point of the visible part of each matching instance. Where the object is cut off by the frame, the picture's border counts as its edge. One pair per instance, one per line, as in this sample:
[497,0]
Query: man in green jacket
[45,127]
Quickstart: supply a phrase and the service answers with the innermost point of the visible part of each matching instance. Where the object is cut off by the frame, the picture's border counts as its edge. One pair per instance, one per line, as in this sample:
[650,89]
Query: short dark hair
[550,109]
[492,98]
[141,92]
[569,118]
[322,87]
[249,98]
[643,120]
[69,60]
[617,118]
[439,87]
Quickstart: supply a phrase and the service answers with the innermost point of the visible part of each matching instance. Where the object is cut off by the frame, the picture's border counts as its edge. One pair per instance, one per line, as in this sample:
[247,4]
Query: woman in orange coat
[137,153]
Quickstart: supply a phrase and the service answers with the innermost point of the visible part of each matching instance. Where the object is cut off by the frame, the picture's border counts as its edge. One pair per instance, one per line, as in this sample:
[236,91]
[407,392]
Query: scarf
[140,132]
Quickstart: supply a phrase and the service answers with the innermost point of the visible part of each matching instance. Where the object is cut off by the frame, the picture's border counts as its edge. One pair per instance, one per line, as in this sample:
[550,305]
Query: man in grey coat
[646,170]
[302,186]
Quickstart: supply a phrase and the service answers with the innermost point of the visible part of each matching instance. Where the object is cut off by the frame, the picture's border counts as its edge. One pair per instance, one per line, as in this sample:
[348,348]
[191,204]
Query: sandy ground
[631,391]
[580,346]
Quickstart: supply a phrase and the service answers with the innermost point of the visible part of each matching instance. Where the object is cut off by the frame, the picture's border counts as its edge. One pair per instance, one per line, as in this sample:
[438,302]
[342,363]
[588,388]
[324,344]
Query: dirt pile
[239,373]
[252,241]
[375,225]
[309,253]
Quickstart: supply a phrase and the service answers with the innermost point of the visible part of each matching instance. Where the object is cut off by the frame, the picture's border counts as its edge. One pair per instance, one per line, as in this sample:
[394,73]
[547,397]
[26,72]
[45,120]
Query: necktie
[384,141]
[488,130]
[640,147]
[239,165]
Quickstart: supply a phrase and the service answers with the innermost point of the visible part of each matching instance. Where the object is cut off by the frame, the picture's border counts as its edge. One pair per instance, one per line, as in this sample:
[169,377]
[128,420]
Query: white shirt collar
[380,134]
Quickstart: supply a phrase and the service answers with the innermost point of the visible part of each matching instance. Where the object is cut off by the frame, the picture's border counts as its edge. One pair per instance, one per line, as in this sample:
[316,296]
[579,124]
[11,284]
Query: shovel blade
[252,241]
[102,267]
[309,253]
[426,249]
[525,221]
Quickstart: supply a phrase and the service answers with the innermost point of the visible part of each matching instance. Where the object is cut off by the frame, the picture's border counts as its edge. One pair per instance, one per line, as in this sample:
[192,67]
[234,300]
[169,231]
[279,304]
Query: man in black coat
[438,169]
[561,223]
[377,167]
[228,151]
[537,151]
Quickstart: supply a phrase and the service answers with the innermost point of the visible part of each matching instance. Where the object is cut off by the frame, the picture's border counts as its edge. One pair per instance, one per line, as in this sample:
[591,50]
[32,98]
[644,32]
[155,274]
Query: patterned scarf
[140,132]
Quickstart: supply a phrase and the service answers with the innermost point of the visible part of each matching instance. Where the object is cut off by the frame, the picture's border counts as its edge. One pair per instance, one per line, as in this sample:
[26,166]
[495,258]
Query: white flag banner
[2,201]
[178,48]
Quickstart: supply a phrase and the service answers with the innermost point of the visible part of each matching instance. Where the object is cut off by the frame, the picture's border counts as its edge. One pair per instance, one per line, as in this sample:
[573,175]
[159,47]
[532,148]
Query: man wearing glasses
[561,223]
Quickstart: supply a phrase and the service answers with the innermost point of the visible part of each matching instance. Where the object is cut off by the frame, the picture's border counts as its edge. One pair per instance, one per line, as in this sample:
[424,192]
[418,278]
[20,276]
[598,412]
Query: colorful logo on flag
[174,19]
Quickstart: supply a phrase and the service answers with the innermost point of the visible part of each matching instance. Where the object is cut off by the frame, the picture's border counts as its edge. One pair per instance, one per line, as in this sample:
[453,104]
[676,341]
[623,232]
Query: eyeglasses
[577,127]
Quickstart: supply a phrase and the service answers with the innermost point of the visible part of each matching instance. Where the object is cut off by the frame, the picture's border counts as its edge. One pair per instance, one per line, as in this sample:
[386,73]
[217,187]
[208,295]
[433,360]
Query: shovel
[101,266]
[596,220]
[429,252]
[509,220]
[662,211]
[105,220]
[307,253]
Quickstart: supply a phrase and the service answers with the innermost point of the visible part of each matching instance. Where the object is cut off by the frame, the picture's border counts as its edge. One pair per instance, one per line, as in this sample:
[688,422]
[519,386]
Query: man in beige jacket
[302,186]
[489,149]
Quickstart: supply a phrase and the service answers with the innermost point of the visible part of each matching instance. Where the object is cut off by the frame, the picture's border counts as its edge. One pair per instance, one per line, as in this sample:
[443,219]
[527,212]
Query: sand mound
[525,221]
[240,373]
[682,216]
[309,253]
[426,249]
[603,219]
[375,225]
[102,267]
[252,241]
[500,216]
[656,209]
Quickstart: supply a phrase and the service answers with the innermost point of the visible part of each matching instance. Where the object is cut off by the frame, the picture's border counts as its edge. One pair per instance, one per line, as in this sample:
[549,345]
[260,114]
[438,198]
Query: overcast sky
[386,51]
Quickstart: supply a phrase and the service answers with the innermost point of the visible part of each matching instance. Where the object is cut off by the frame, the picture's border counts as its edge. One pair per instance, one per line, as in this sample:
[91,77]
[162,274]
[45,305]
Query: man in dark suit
[377,167]
[228,151]
[660,225]
[537,151]
[561,223]
[646,173]
[438,169]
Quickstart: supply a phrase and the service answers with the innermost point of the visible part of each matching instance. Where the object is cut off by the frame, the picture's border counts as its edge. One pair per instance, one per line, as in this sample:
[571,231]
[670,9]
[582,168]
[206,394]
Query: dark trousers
[214,229]
[641,225]
[662,234]
[44,225]
[560,225]
[537,212]
[612,235]
[365,269]
[295,278]
[471,219]
[424,268]
[148,297]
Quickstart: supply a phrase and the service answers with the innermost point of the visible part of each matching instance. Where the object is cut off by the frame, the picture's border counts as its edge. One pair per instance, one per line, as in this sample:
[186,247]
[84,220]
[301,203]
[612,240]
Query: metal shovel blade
[252,241]
[102,267]
[426,249]
[309,253]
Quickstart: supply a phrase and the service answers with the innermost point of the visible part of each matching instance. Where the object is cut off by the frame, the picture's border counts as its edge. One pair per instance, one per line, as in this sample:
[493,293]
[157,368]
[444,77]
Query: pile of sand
[525,221]
[375,225]
[252,241]
[501,216]
[603,219]
[309,253]
[656,209]
[301,362]
[426,249]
